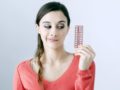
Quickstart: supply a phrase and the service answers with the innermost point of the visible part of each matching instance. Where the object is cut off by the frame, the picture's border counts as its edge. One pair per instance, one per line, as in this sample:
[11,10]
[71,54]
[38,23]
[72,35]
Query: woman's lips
[52,40]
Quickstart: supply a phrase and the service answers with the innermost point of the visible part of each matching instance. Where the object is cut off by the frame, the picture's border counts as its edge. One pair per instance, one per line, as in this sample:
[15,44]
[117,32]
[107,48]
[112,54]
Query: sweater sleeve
[85,78]
[17,84]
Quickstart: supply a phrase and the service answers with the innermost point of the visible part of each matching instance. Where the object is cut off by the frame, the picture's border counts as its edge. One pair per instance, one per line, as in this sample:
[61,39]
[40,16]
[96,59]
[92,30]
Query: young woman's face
[53,28]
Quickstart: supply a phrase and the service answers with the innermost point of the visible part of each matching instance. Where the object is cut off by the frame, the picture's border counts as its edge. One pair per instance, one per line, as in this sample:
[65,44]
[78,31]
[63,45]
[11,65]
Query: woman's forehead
[54,16]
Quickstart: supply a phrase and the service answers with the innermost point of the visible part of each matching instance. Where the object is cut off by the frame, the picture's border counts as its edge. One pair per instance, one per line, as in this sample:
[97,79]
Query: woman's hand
[87,54]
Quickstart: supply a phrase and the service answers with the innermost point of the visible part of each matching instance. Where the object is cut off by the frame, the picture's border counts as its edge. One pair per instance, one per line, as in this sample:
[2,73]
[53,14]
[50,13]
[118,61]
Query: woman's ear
[37,28]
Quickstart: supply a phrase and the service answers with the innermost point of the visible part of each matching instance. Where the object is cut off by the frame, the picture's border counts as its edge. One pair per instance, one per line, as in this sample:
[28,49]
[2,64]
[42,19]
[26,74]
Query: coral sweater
[72,79]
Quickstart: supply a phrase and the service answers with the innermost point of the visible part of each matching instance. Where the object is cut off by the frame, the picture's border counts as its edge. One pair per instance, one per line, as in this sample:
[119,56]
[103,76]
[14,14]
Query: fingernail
[80,46]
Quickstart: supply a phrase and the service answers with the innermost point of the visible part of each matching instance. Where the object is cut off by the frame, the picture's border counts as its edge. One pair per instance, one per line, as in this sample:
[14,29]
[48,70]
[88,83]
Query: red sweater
[72,79]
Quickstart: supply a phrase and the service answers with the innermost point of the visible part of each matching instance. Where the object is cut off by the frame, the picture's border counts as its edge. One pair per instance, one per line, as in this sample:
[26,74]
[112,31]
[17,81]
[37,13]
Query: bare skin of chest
[53,72]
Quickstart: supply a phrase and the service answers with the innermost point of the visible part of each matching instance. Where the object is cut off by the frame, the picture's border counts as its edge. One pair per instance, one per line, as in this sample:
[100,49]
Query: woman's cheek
[43,37]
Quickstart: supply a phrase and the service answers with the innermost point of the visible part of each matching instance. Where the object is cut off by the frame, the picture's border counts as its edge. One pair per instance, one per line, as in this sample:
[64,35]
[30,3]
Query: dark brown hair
[46,8]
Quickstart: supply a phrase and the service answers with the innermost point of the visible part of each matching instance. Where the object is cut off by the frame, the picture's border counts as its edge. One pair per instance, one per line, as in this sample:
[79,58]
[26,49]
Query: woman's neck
[52,56]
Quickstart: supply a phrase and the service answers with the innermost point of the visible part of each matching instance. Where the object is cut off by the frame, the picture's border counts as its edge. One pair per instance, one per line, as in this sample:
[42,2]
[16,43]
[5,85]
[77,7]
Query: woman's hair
[46,8]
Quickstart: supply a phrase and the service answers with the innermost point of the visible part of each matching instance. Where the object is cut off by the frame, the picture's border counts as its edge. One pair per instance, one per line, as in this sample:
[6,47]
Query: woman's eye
[48,27]
[60,26]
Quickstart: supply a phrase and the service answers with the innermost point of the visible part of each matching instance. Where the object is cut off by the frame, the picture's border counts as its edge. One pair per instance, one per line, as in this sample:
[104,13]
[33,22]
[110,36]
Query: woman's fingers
[89,47]
[86,50]
[87,54]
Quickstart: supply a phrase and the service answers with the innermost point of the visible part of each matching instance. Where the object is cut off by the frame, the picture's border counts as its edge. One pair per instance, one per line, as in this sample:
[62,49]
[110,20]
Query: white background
[101,20]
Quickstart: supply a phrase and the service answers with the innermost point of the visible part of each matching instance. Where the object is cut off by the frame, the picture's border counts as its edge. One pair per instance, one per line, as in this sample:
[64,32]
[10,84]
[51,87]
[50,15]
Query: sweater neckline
[51,82]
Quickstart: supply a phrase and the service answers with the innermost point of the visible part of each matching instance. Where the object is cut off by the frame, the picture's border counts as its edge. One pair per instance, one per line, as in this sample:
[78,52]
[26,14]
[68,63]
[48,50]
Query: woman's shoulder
[23,64]
[72,55]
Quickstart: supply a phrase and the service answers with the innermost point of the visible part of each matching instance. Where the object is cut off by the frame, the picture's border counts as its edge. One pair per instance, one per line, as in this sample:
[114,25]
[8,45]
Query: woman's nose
[53,32]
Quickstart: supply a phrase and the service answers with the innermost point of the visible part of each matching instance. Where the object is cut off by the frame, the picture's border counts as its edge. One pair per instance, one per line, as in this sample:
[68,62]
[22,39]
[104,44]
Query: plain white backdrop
[101,20]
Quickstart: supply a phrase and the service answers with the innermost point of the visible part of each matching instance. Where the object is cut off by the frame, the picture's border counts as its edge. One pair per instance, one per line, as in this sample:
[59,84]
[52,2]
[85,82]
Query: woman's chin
[53,46]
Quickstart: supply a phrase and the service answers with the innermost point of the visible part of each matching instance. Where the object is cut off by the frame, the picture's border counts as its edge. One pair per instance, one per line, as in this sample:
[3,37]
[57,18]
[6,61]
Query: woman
[53,68]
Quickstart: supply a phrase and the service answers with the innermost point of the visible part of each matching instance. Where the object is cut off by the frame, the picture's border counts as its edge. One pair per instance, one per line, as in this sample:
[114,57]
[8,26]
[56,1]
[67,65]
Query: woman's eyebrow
[61,21]
[58,21]
[46,22]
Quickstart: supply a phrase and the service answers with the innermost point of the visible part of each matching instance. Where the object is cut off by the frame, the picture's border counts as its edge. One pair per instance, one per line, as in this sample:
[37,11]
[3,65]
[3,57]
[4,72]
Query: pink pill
[78,35]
